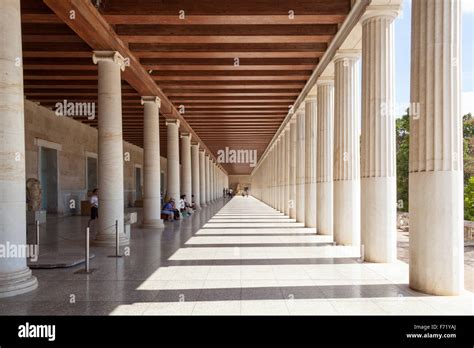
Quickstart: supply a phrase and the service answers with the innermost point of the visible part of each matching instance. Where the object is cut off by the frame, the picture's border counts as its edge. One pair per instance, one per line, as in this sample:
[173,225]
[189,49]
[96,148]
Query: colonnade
[343,151]
[193,172]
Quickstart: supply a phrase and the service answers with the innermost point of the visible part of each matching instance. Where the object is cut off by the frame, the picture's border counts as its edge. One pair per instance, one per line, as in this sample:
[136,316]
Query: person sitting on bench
[168,211]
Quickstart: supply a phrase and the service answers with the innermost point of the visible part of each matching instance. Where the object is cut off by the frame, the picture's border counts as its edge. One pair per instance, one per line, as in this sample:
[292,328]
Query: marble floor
[237,257]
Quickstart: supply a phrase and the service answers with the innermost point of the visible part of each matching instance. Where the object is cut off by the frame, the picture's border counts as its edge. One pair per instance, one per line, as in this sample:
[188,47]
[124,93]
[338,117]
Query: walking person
[94,202]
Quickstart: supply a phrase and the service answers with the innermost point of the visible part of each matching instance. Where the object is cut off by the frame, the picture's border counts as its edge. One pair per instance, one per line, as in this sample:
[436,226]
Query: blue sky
[402,57]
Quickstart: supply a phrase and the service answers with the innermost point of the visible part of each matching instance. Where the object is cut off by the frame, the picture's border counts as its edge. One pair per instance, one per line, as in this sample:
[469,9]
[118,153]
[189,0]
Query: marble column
[186,181]
[211,179]
[196,180]
[346,149]
[15,276]
[207,177]
[286,171]
[378,149]
[151,163]
[436,150]
[292,166]
[202,179]
[310,140]
[300,164]
[280,173]
[173,175]
[110,154]
[325,139]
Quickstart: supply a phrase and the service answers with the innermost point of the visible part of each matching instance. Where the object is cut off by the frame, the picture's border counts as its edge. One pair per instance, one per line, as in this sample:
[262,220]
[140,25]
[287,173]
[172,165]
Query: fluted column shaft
[325,139]
[286,171]
[173,175]
[195,176]
[207,177]
[378,181]
[277,174]
[300,164]
[346,150]
[110,147]
[186,181]
[310,215]
[292,166]
[15,276]
[202,179]
[151,163]
[436,150]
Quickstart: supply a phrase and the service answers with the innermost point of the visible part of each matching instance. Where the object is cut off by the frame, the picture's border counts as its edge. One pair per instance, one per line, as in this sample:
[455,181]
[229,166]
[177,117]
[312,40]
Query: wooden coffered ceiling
[233,67]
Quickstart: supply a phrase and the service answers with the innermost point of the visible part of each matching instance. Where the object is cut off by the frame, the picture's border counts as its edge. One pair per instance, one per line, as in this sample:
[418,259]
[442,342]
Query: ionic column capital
[195,143]
[347,55]
[377,11]
[311,98]
[202,150]
[327,80]
[109,56]
[185,135]
[172,121]
[151,99]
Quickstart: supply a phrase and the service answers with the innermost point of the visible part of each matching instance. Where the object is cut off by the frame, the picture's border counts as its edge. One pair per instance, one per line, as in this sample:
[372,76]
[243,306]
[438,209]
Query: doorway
[91,173]
[138,183]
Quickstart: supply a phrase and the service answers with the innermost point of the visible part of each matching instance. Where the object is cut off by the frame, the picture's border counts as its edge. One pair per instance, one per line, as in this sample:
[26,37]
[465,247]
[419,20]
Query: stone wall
[74,142]
[241,181]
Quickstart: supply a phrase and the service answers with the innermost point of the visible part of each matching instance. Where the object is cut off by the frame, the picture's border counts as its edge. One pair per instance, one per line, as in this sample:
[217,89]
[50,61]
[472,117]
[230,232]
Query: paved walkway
[242,257]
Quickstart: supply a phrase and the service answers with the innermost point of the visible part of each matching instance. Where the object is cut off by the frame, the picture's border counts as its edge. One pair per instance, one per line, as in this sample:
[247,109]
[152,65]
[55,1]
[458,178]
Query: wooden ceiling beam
[222,19]
[91,27]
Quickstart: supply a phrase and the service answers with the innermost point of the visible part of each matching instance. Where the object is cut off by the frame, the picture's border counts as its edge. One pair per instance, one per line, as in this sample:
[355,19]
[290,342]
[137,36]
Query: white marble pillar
[300,164]
[378,149]
[286,171]
[292,179]
[211,179]
[280,174]
[436,150]
[15,276]
[151,163]
[207,177]
[196,180]
[202,179]
[186,181]
[173,173]
[346,149]
[110,154]
[309,144]
[325,139]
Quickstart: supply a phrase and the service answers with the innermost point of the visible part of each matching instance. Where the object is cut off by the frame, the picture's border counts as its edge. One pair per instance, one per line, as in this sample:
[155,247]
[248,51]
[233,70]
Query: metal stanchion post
[37,236]
[87,249]
[117,241]
[87,270]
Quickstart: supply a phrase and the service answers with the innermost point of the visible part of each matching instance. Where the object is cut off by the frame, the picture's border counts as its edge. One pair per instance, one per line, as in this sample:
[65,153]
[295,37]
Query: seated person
[168,210]
[184,206]
[193,203]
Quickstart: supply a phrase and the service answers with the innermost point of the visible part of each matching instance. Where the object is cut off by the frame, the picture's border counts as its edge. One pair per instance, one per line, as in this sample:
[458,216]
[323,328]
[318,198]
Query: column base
[17,283]
[436,232]
[108,240]
[153,224]
[379,219]
[346,218]
[324,206]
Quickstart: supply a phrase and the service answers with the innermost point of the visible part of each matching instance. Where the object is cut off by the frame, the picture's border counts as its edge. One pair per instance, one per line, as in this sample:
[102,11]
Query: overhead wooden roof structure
[229,70]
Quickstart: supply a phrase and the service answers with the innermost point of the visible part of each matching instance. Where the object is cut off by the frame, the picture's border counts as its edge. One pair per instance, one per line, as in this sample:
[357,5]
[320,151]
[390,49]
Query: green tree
[402,126]
[469,200]
[468,135]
